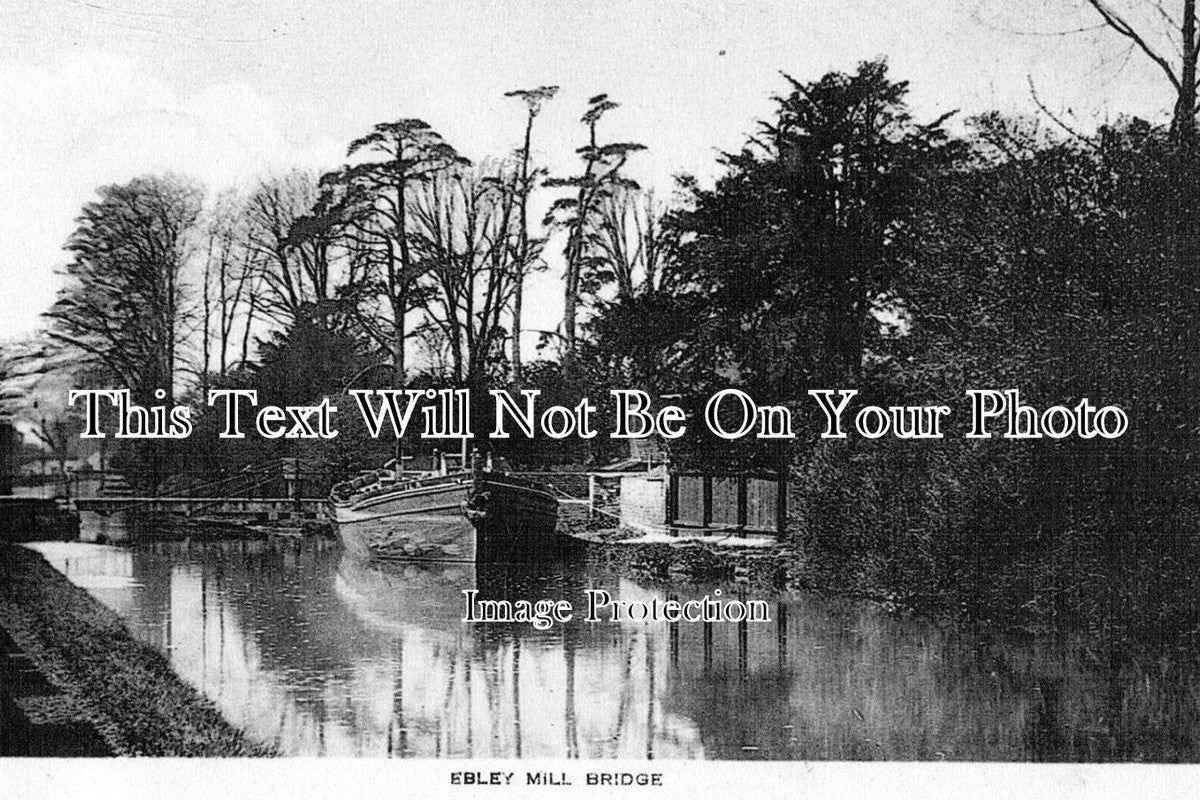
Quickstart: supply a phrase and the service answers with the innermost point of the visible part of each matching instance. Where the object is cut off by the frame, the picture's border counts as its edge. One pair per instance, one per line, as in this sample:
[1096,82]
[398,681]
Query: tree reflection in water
[328,655]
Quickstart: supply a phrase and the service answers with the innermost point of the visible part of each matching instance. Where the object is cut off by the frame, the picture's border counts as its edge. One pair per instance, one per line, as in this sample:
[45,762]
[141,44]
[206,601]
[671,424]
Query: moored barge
[466,515]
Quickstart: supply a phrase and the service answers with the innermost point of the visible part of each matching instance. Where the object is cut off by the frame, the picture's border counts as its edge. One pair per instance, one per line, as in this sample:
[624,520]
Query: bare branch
[1121,26]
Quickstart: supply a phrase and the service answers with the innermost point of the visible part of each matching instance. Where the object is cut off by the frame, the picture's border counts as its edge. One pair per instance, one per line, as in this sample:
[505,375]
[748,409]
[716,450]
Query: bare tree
[21,364]
[230,278]
[602,165]
[58,434]
[462,235]
[631,242]
[124,305]
[1176,61]
[292,254]
[527,250]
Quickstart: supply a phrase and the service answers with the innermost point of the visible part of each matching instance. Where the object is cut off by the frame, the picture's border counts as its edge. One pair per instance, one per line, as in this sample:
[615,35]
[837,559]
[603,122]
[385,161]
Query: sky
[99,91]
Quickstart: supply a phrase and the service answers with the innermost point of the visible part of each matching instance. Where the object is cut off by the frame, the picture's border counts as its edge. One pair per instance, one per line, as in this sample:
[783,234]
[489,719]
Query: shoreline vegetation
[125,689]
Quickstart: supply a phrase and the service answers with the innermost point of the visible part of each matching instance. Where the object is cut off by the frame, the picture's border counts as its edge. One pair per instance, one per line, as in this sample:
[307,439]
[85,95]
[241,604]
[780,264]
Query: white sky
[99,91]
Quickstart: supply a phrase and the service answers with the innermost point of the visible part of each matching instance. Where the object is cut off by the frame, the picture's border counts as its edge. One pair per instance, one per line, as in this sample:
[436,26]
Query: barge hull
[453,518]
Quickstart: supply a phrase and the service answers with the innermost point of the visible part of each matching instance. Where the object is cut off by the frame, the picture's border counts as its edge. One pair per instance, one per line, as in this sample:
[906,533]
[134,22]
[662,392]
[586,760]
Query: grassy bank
[125,688]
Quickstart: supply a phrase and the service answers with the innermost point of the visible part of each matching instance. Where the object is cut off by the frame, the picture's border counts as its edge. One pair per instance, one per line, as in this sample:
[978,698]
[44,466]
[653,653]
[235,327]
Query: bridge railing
[272,489]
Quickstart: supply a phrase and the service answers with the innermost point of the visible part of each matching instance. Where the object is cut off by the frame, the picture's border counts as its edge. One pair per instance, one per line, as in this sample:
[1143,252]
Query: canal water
[319,653]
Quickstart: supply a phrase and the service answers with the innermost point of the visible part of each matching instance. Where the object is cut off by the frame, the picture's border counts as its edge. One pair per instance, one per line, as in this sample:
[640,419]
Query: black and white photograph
[480,398]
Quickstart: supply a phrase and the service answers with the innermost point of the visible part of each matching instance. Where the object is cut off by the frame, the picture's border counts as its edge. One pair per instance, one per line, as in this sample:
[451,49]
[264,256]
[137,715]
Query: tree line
[847,244]
[830,250]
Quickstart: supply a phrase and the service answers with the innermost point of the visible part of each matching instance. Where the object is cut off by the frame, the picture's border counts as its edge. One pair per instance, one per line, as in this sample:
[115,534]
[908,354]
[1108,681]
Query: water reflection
[323,654]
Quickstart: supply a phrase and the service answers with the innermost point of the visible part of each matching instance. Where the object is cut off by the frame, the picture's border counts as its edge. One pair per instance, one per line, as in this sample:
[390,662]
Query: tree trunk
[1185,106]
[399,334]
[1187,218]
[574,257]
[570,299]
[518,368]
[249,322]
[169,355]
[205,329]
[400,292]
[456,347]
[571,285]
[522,255]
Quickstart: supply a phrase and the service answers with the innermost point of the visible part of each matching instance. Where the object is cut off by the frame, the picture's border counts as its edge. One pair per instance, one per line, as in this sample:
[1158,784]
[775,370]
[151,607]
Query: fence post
[743,503]
[291,481]
[591,495]
[668,500]
[781,503]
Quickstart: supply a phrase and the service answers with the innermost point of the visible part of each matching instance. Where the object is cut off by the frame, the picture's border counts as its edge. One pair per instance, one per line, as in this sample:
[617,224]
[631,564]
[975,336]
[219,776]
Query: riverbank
[693,561]
[763,564]
[101,679]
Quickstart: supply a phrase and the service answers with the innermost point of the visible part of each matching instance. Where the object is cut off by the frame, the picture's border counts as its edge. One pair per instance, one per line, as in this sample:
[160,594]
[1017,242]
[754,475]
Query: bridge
[271,491]
[268,508]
